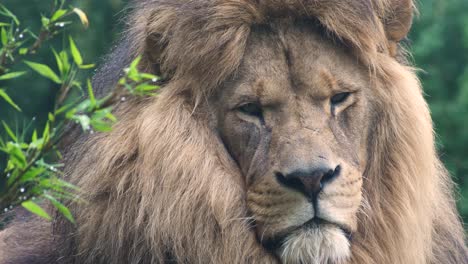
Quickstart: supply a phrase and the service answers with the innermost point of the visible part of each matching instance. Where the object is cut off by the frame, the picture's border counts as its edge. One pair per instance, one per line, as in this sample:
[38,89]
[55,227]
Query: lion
[284,132]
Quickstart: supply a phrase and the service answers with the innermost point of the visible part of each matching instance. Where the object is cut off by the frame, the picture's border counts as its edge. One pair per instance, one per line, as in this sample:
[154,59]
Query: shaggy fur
[162,189]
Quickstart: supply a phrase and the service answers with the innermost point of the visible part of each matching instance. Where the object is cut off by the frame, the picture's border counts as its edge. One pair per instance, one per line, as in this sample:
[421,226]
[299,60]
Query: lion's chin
[320,244]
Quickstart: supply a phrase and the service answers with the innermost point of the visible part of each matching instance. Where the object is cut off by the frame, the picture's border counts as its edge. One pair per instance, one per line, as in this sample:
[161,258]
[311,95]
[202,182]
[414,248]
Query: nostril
[290,182]
[331,175]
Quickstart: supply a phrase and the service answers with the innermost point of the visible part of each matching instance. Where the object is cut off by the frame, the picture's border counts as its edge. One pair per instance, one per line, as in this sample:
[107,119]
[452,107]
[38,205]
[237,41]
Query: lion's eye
[251,109]
[339,98]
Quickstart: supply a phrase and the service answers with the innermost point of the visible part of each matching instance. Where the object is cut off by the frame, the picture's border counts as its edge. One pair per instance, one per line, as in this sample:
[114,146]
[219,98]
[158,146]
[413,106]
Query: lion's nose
[311,181]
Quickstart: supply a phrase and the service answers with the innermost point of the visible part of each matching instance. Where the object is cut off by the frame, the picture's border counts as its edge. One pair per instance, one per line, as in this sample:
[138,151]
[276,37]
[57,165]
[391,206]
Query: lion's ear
[154,50]
[397,20]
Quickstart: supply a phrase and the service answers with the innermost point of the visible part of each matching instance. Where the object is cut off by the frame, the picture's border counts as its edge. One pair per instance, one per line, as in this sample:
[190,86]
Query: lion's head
[285,132]
[295,119]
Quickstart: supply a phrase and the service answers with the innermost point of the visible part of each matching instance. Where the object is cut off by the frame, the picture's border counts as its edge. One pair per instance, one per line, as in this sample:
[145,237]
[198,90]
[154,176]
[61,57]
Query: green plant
[32,172]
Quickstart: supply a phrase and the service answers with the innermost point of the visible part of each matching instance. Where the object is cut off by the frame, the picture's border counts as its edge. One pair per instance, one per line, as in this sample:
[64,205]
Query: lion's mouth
[276,241]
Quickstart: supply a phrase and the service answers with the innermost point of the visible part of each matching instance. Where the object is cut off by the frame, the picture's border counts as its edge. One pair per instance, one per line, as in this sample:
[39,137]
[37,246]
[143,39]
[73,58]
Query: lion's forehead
[300,53]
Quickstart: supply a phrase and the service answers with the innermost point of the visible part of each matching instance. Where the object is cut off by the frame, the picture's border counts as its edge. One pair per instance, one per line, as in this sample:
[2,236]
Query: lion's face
[294,118]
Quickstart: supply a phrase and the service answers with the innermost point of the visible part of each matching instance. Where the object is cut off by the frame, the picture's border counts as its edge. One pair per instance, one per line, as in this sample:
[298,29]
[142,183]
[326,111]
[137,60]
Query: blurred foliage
[439,43]
[29,173]
[103,16]
[440,48]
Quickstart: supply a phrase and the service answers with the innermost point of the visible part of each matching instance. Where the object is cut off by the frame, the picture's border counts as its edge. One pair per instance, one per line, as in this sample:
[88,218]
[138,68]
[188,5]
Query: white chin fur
[325,244]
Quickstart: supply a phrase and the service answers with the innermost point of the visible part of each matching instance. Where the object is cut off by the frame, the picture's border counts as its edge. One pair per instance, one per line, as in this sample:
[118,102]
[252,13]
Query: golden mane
[161,189]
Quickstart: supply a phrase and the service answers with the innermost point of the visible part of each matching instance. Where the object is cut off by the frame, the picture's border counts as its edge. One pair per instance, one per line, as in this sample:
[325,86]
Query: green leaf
[7,98]
[62,208]
[111,117]
[9,132]
[51,117]
[45,21]
[34,136]
[102,120]
[75,52]
[101,126]
[76,84]
[58,154]
[64,108]
[16,155]
[44,70]
[11,75]
[86,66]
[132,70]
[46,133]
[65,184]
[36,209]
[37,143]
[58,14]
[145,88]
[23,51]
[66,65]
[4,36]
[149,76]
[32,174]
[83,106]
[135,63]
[92,99]
[59,62]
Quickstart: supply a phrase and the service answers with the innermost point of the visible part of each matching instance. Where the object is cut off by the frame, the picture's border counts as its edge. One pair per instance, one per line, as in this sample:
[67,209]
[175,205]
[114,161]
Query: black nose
[310,181]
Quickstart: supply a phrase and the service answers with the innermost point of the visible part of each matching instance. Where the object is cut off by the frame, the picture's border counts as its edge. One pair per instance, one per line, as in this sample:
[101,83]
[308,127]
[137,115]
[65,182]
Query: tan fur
[161,188]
